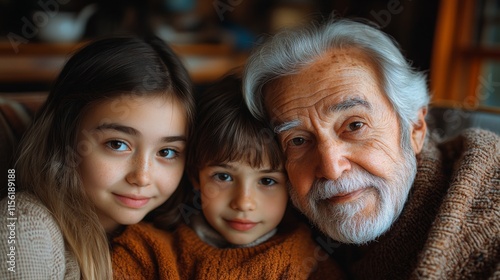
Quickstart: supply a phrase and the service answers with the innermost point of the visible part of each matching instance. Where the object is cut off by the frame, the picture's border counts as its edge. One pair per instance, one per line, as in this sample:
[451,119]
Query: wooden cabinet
[41,62]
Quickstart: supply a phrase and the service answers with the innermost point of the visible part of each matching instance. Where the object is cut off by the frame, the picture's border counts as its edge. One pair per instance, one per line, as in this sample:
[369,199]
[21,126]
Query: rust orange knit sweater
[144,252]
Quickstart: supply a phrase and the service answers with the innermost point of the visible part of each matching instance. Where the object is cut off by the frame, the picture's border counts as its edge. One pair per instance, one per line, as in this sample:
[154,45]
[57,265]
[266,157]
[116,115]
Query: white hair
[291,50]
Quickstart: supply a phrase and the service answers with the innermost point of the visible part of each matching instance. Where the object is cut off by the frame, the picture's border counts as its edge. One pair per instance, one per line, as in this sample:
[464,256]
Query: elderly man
[349,113]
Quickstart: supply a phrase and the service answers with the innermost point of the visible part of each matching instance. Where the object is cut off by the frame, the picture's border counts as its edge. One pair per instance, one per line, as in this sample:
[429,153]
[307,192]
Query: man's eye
[168,153]
[355,126]
[222,177]
[267,181]
[297,141]
[117,145]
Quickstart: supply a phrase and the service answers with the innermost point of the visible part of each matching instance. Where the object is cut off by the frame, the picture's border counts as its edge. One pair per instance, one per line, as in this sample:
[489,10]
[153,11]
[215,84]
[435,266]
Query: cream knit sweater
[38,251]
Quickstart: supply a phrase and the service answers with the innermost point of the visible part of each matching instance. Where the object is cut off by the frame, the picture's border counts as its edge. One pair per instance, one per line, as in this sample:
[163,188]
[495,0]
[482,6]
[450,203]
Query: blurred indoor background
[456,42]
[200,29]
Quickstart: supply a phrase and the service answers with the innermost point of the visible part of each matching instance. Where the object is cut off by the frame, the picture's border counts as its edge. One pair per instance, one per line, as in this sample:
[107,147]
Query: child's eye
[117,145]
[223,177]
[168,153]
[267,181]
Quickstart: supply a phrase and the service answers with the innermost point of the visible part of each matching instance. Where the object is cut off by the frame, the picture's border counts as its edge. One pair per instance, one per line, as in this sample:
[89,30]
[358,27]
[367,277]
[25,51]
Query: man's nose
[332,160]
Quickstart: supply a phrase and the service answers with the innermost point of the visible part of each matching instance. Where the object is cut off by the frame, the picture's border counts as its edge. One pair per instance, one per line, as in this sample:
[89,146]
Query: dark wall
[410,22]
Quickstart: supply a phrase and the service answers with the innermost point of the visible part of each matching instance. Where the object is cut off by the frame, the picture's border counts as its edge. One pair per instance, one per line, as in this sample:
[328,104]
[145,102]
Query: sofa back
[16,113]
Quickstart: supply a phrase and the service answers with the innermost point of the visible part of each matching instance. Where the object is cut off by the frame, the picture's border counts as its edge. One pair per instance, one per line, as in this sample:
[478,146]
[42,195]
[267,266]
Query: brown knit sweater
[144,252]
[450,226]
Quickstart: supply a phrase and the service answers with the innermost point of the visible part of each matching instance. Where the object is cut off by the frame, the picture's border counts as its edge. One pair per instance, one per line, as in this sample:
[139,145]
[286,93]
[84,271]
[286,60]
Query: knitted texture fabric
[450,226]
[210,236]
[39,245]
[144,252]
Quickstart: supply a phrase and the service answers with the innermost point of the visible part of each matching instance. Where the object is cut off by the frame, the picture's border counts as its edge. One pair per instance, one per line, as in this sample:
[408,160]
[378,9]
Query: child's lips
[241,225]
[132,201]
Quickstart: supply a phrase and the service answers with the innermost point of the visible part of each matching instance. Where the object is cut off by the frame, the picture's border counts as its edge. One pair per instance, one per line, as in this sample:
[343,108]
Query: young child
[106,148]
[235,231]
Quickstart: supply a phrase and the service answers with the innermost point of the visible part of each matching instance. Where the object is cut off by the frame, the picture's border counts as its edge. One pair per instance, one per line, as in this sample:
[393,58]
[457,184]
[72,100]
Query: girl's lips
[132,202]
[241,225]
[347,197]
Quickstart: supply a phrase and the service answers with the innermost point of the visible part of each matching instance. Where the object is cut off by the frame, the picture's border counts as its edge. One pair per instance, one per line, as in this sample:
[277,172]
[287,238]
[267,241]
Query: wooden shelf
[41,62]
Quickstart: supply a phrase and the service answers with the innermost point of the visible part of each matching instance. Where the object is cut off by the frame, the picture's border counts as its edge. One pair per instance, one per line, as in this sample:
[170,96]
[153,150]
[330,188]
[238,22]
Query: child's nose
[243,200]
[140,173]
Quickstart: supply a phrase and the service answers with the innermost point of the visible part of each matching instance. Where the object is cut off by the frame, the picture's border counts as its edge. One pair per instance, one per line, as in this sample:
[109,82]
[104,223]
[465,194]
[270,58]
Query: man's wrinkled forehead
[341,59]
[337,63]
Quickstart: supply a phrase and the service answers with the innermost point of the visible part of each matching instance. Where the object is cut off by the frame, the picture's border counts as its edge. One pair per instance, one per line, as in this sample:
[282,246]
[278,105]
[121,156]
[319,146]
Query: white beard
[345,222]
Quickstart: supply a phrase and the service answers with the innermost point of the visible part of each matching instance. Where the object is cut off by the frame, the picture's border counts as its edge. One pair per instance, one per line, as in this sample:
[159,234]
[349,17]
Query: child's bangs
[247,144]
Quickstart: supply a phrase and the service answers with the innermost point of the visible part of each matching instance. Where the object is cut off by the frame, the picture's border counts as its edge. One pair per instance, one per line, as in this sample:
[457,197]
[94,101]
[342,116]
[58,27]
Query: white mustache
[349,182]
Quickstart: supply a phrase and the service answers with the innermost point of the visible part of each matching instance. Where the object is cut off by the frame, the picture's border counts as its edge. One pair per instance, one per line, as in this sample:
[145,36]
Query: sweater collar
[210,236]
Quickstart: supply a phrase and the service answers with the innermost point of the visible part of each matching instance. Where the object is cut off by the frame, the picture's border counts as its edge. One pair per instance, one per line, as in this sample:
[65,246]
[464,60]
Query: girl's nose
[140,173]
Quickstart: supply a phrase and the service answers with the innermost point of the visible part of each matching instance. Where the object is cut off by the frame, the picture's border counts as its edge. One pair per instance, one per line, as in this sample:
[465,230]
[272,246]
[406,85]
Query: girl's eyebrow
[169,139]
[134,132]
[118,127]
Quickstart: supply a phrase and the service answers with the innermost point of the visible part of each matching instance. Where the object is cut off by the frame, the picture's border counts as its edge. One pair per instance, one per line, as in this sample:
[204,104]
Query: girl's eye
[117,145]
[296,141]
[355,126]
[223,177]
[168,153]
[267,181]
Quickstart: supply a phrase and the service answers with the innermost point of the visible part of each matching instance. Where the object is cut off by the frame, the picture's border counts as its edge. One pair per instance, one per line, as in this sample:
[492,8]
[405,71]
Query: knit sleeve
[464,241]
[143,252]
[312,258]
[32,245]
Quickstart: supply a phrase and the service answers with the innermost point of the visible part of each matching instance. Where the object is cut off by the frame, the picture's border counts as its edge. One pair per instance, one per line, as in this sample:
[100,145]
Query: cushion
[16,113]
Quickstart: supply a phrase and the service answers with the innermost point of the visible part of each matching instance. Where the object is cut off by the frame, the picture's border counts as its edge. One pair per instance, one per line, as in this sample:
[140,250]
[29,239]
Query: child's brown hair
[226,131]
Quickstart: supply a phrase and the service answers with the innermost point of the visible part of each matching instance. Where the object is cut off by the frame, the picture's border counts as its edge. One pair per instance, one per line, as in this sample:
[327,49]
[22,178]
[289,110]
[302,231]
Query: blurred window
[466,57]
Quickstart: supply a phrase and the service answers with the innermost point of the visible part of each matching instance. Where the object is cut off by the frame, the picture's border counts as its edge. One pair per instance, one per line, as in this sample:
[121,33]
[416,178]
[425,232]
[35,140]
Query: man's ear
[418,131]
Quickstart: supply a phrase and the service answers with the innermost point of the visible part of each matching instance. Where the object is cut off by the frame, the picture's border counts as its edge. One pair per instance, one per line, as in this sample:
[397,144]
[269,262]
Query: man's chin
[350,226]
[351,236]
